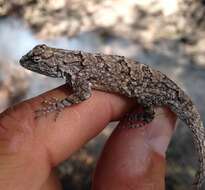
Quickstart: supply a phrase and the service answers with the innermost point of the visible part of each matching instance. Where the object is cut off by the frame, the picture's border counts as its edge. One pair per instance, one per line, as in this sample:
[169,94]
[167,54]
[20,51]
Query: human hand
[132,158]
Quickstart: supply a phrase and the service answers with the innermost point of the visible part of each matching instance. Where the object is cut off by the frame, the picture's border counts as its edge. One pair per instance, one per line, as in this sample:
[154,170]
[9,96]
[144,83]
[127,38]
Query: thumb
[134,159]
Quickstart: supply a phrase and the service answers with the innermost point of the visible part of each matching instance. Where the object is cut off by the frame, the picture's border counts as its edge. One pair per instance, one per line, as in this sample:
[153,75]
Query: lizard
[116,74]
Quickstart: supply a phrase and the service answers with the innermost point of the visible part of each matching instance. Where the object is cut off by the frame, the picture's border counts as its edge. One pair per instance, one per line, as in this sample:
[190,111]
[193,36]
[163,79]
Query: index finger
[74,127]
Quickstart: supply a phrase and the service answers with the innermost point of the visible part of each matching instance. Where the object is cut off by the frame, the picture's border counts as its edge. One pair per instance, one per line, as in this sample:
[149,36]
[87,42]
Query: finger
[134,159]
[32,147]
[79,123]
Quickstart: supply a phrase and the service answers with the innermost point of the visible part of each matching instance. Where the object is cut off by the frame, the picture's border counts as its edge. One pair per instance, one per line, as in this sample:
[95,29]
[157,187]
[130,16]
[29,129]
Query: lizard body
[117,74]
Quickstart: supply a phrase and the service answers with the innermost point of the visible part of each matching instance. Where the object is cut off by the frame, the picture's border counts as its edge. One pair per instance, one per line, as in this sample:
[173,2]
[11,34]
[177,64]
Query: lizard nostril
[23,60]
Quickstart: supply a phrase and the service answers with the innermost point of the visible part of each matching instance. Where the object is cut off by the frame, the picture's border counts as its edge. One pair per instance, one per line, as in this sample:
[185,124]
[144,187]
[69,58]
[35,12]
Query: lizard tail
[188,113]
[199,141]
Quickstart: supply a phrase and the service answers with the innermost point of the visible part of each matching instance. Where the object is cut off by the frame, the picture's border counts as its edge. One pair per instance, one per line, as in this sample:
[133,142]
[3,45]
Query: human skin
[131,159]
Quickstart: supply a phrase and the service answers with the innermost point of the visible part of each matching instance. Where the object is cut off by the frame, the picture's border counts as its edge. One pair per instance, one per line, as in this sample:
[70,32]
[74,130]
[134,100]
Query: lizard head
[41,60]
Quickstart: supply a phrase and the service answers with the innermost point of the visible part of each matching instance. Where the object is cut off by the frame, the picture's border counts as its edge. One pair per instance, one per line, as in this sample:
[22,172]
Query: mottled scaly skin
[117,74]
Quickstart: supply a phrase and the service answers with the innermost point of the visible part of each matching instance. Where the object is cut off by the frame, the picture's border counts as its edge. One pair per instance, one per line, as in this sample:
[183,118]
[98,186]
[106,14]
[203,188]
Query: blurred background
[166,34]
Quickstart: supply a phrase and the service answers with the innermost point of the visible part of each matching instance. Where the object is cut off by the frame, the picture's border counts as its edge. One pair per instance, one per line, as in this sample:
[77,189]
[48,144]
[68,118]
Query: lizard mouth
[27,63]
[38,67]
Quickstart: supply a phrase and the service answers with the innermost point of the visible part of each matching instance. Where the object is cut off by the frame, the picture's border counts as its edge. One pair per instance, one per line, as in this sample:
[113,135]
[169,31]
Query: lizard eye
[36,59]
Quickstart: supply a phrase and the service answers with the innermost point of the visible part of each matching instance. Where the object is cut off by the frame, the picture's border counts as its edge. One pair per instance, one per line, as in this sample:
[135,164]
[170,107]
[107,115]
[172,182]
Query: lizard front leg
[81,91]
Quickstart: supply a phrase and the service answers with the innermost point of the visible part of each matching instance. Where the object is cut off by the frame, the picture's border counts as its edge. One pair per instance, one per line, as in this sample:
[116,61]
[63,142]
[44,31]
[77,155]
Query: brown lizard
[117,74]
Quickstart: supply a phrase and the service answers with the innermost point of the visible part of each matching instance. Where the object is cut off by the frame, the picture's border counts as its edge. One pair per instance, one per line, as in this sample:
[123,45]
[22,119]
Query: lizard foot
[49,106]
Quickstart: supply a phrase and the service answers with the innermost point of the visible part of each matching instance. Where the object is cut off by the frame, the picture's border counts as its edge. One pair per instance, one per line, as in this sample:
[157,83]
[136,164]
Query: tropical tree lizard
[116,74]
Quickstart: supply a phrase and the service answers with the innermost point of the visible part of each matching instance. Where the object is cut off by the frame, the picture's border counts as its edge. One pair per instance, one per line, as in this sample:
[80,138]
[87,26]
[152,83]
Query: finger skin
[30,148]
[134,159]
